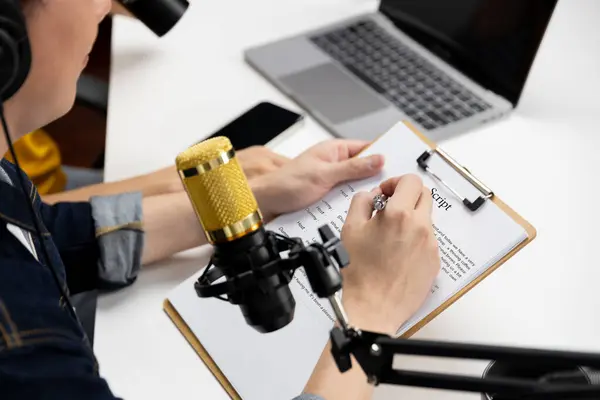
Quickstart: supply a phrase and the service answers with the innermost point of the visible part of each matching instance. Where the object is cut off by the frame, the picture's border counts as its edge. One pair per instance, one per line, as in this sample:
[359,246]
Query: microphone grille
[203,152]
[218,189]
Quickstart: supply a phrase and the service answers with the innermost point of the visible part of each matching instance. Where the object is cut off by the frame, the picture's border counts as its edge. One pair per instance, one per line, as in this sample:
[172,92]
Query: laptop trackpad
[333,93]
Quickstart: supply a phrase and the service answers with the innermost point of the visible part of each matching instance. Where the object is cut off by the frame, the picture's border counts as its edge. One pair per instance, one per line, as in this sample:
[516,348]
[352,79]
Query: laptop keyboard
[423,92]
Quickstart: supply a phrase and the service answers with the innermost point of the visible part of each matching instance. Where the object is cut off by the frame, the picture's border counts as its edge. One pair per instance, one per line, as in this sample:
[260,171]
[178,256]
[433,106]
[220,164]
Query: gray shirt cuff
[308,397]
[120,236]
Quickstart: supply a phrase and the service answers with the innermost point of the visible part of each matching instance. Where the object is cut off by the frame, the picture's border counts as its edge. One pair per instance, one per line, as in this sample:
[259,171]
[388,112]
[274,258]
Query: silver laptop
[447,66]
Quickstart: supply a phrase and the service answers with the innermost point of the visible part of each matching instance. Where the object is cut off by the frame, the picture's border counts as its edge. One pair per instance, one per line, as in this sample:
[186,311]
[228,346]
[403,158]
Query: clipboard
[197,346]
[487,195]
[472,204]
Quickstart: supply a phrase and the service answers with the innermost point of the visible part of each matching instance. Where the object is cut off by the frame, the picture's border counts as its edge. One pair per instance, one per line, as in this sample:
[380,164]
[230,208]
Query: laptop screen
[493,42]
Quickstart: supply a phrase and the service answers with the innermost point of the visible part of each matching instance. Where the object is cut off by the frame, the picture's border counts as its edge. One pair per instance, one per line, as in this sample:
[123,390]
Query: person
[40,157]
[44,352]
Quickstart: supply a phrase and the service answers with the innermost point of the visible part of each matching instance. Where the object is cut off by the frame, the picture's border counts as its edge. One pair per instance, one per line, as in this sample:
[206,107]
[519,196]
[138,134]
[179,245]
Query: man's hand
[310,176]
[393,263]
[393,256]
[259,160]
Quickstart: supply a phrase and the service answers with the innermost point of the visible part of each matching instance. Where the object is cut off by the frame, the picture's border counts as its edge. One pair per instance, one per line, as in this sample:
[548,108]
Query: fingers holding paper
[310,176]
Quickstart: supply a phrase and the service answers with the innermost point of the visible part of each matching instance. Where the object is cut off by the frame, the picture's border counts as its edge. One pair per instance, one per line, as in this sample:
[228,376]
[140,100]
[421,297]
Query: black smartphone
[260,125]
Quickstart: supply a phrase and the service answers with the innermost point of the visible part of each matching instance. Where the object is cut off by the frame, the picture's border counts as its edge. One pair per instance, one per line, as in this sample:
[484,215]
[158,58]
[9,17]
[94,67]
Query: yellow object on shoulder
[39,157]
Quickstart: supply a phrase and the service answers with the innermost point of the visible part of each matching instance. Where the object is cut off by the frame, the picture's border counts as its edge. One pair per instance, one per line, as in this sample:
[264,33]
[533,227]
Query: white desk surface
[543,161]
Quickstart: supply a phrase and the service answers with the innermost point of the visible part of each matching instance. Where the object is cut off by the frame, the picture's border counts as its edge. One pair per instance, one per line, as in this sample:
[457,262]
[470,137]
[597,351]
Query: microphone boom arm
[375,353]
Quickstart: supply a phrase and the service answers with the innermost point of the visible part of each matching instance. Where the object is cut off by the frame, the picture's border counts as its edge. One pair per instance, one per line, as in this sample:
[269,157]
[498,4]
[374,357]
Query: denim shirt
[44,352]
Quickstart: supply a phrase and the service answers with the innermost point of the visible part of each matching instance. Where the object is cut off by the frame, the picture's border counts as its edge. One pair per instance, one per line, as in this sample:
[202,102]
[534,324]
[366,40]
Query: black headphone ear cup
[15,51]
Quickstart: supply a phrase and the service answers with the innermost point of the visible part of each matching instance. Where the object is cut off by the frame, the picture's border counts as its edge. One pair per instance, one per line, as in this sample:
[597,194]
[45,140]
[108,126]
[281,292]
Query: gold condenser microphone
[232,222]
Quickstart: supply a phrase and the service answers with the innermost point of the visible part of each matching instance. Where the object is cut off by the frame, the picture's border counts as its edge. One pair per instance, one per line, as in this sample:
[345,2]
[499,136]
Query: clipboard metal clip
[486,193]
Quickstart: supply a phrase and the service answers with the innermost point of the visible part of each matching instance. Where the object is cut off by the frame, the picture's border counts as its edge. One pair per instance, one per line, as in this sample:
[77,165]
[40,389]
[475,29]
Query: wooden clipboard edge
[529,229]
[195,343]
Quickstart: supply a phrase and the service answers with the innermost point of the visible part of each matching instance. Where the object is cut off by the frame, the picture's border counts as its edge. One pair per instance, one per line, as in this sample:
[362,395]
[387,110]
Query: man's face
[62,33]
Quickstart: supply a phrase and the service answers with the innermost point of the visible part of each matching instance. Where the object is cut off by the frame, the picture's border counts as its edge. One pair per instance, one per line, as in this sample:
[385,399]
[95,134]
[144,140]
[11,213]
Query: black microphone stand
[375,352]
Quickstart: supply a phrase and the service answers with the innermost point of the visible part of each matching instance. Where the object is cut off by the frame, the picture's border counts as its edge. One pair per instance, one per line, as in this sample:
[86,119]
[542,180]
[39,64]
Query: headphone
[15,51]
[15,63]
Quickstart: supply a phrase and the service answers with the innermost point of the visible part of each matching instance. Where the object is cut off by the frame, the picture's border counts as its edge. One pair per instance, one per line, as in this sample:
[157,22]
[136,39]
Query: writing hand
[394,255]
